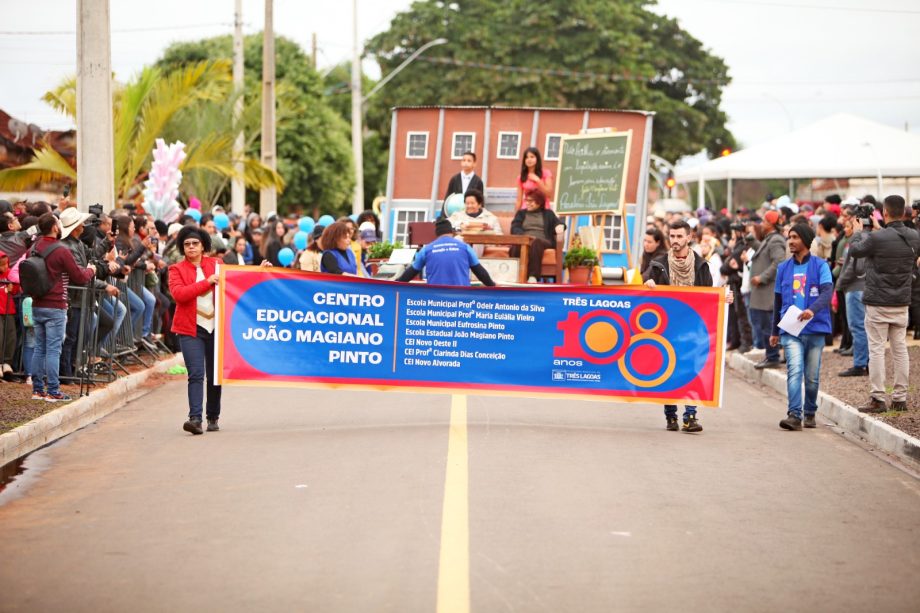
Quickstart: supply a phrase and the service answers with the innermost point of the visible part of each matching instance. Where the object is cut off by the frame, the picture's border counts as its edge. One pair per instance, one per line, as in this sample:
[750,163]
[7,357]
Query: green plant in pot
[382,250]
[579,261]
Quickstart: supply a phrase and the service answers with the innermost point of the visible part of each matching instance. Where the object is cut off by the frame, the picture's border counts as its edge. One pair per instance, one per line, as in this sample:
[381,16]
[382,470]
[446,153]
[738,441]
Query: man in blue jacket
[803,281]
[447,261]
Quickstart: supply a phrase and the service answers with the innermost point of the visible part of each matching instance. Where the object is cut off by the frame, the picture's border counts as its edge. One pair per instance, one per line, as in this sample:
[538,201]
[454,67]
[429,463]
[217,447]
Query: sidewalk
[81,412]
[894,433]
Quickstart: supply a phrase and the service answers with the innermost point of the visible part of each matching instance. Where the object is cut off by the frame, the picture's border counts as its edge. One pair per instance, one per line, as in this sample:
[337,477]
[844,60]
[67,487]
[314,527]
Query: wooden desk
[482,238]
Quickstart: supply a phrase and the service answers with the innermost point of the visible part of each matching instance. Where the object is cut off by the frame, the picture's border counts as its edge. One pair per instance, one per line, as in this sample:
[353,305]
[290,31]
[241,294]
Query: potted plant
[380,252]
[580,261]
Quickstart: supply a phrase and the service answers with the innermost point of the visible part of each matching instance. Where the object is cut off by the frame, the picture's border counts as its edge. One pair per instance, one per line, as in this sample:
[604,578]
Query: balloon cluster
[162,185]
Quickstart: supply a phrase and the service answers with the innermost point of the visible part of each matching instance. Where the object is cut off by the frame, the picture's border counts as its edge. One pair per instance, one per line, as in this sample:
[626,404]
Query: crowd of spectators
[128,244]
[745,249]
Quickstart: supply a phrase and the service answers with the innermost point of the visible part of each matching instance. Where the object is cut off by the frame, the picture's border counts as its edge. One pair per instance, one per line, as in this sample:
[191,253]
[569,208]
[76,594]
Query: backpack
[33,273]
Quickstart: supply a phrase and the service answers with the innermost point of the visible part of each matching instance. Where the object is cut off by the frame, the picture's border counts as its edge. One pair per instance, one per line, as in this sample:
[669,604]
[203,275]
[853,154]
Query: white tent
[839,147]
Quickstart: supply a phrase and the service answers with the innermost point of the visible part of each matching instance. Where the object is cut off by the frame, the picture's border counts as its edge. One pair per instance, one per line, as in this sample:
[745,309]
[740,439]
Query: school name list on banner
[281,327]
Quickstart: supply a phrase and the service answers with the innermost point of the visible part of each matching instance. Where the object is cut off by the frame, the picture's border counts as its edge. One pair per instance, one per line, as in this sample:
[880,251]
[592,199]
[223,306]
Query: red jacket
[185,291]
[7,291]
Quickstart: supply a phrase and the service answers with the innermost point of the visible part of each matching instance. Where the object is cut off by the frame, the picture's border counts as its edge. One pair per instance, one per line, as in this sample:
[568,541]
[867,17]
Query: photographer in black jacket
[892,254]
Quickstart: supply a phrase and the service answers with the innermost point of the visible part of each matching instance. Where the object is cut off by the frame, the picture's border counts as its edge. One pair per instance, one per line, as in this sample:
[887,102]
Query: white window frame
[409,136]
[546,155]
[403,235]
[453,145]
[611,222]
[517,151]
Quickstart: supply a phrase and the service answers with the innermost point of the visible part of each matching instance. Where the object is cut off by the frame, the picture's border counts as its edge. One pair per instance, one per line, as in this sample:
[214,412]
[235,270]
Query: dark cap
[443,226]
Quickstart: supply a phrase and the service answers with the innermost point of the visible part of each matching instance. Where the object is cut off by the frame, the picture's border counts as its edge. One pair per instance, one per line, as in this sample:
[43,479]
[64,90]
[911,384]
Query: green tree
[313,141]
[560,53]
[144,109]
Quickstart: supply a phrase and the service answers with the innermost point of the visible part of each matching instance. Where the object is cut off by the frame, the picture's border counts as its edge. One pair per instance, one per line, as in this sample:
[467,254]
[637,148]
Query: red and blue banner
[286,327]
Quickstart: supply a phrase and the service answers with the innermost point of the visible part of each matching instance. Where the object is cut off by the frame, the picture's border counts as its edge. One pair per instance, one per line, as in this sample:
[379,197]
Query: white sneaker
[531,279]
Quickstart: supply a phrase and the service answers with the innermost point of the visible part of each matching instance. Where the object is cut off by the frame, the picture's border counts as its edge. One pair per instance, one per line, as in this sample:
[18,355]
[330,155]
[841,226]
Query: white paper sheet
[790,322]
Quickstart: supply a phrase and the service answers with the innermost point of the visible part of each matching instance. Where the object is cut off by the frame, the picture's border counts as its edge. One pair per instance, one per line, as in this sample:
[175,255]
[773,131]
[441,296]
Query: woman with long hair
[653,246]
[533,177]
[237,248]
[273,241]
[539,222]
[131,255]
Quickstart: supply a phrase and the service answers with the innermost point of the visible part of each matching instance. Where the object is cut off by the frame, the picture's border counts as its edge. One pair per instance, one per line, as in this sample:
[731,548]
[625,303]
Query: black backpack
[33,273]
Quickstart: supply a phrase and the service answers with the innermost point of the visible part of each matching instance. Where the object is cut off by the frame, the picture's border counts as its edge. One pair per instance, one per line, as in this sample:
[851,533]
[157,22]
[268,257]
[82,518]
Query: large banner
[285,327]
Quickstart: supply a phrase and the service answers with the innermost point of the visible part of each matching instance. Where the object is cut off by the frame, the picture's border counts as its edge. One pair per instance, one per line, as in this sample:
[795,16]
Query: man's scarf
[681,269]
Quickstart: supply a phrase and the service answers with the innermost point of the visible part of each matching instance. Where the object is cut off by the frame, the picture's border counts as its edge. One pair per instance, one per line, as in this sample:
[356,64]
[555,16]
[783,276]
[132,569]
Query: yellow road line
[454,565]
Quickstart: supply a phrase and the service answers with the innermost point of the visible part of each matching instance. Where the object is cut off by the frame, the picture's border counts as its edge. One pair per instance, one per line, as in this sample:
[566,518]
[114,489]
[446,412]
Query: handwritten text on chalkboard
[592,173]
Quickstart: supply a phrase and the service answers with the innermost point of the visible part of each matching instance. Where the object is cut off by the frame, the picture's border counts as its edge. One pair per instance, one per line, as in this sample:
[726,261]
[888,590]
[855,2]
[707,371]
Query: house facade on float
[426,144]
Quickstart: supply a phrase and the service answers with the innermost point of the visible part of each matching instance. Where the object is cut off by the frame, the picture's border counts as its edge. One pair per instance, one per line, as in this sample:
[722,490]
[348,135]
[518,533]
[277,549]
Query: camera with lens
[96,211]
[864,210]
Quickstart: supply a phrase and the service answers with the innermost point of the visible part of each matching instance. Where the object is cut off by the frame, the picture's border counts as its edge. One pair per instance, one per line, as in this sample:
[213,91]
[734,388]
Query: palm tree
[153,105]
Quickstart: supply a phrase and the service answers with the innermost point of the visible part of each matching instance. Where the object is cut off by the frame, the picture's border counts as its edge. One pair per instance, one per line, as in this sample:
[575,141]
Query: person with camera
[892,254]
[851,284]
[733,270]
[764,262]
[72,228]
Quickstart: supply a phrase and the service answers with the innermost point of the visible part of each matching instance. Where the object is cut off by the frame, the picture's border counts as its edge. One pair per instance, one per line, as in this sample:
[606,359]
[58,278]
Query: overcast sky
[792,61]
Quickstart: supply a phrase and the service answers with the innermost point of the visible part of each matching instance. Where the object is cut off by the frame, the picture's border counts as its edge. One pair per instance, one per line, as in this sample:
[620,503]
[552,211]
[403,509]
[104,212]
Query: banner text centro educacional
[284,327]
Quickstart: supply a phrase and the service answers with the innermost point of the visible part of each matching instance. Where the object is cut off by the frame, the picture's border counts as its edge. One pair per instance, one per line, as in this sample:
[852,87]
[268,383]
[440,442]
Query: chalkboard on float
[592,173]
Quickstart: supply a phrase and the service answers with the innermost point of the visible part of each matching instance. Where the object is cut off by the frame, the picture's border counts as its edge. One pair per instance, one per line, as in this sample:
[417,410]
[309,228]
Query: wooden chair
[421,233]
[552,258]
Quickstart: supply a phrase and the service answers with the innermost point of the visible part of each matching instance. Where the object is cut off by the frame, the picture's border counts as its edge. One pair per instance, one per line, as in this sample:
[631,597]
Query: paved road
[333,501]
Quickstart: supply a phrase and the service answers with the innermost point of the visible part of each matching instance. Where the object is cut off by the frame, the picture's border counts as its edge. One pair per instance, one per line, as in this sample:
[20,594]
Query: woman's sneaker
[38,395]
[58,397]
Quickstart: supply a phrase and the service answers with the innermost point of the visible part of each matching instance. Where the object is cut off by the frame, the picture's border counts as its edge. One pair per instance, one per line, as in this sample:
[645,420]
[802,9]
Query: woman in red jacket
[191,283]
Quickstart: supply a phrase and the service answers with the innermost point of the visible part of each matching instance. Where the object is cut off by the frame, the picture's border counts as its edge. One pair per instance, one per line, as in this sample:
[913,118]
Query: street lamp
[406,62]
[357,109]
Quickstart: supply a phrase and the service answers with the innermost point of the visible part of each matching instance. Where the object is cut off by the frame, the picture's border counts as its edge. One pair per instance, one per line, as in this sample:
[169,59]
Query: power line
[817,7]
[115,31]
[555,72]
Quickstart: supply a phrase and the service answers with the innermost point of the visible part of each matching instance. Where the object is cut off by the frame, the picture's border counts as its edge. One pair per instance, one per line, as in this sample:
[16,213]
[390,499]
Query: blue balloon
[353,217]
[194,214]
[301,239]
[221,221]
[326,221]
[306,224]
[286,256]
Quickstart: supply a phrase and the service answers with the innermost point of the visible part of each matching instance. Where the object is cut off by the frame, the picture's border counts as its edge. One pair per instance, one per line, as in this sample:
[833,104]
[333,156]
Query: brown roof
[18,141]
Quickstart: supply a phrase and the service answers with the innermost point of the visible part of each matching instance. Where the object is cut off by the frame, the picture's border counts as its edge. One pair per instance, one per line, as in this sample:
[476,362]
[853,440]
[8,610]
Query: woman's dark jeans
[198,352]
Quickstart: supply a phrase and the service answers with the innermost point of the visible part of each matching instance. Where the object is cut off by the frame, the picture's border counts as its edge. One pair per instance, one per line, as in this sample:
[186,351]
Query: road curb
[874,431]
[79,413]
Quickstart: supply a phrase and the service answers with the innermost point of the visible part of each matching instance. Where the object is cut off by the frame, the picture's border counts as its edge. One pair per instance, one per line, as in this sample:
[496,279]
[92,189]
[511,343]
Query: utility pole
[237,187]
[356,111]
[268,198]
[313,48]
[95,146]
